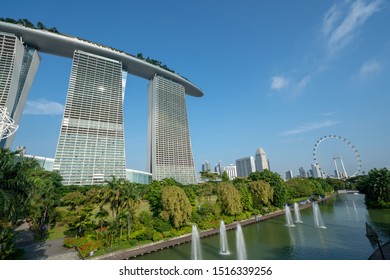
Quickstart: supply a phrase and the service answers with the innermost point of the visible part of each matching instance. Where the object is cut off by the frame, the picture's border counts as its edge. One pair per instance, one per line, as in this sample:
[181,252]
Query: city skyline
[275,78]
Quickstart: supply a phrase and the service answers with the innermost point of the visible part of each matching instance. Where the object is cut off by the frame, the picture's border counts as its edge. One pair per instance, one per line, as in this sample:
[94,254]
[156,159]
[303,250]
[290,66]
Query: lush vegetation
[121,214]
[25,22]
[27,193]
[376,187]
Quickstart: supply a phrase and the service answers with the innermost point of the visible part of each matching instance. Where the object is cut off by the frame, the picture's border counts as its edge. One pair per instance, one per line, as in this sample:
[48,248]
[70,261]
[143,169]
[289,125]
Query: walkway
[44,250]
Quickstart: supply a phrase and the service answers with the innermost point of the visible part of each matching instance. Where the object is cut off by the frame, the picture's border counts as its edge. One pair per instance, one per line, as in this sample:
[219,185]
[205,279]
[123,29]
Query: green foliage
[25,22]
[175,206]
[84,245]
[300,187]
[209,176]
[225,177]
[26,192]
[276,182]
[261,192]
[229,199]
[246,198]
[376,186]
[154,195]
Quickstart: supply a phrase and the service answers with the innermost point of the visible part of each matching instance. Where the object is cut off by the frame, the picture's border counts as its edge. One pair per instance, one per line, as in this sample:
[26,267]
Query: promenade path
[44,250]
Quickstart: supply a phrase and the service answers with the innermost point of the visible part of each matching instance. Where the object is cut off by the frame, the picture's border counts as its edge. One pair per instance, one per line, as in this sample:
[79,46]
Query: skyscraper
[289,175]
[316,171]
[18,65]
[231,170]
[206,166]
[169,143]
[245,166]
[261,160]
[218,168]
[302,172]
[91,143]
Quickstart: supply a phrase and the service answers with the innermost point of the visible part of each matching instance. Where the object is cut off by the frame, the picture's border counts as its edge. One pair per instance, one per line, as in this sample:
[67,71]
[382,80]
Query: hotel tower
[169,144]
[18,66]
[91,145]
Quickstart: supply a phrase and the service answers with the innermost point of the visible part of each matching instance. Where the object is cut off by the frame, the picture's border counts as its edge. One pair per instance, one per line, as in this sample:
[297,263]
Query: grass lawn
[58,230]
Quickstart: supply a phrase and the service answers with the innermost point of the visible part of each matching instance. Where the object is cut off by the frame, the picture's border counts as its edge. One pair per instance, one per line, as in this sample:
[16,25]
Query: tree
[301,187]
[262,193]
[229,198]
[225,177]
[276,182]
[130,204]
[176,207]
[153,195]
[15,188]
[208,176]
[42,201]
[376,186]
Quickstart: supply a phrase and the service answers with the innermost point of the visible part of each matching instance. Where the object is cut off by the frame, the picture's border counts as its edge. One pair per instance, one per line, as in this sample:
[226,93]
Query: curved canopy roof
[63,45]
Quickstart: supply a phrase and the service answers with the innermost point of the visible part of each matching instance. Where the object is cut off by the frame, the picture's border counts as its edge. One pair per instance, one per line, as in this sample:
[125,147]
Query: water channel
[343,238]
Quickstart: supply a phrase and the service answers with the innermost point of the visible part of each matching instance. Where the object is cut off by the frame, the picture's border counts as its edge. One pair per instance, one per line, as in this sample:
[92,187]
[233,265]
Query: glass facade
[169,144]
[139,177]
[91,143]
[18,65]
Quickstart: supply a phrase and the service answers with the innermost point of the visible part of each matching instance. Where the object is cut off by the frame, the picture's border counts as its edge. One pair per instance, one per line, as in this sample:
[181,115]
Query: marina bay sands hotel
[91,146]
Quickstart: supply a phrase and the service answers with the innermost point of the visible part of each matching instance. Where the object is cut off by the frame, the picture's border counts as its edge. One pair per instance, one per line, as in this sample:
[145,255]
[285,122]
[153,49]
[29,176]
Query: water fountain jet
[289,222]
[240,243]
[297,213]
[223,239]
[195,244]
[318,222]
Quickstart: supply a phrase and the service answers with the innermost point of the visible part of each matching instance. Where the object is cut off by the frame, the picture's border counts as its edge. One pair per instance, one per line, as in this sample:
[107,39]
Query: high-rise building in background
[18,66]
[289,175]
[302,172]
[91,144]
[261,160]
[218,168]
[231,171]
[169,144]
[245,166]
[206,166]
[316,171]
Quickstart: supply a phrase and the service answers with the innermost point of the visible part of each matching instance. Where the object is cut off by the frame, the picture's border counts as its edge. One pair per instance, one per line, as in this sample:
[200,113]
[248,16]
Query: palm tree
[131,202]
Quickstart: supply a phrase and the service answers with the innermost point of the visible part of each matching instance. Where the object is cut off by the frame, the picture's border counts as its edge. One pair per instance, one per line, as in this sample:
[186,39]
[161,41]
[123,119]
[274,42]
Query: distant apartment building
[289,175]
[218,169]
[261,161]
[245,166]
[302,172]
[316,171]
[206,166]
[231,171]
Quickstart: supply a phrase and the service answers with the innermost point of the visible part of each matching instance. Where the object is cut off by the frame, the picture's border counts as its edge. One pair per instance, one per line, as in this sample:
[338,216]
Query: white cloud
[369,67]
[310,126]
[341,21]
[278,82]
[302,84]
[43,107]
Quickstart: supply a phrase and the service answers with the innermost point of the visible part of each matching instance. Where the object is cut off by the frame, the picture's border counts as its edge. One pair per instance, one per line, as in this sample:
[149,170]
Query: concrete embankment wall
[153,247]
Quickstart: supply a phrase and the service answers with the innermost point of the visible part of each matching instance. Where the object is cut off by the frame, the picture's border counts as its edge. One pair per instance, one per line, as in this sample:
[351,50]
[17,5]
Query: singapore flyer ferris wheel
[336,157]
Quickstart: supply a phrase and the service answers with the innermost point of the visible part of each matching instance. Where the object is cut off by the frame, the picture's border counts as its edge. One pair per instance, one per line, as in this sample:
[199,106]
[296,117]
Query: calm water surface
[343,239]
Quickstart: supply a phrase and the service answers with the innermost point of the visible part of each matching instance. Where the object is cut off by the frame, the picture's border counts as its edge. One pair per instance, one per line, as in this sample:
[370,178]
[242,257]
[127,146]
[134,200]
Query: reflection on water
[343,239]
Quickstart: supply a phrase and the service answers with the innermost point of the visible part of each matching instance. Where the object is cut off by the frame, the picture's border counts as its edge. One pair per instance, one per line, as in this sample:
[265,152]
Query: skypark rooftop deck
[64,45]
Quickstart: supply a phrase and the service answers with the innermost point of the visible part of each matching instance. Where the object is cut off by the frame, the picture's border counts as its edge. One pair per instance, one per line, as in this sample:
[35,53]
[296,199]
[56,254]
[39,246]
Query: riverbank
[164,244]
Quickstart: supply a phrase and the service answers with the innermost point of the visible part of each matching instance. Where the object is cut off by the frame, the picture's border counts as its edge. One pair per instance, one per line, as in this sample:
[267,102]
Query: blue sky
[275,74]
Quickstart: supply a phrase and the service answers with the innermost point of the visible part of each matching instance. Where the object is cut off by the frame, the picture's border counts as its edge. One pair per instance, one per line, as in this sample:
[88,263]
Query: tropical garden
[120,214]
